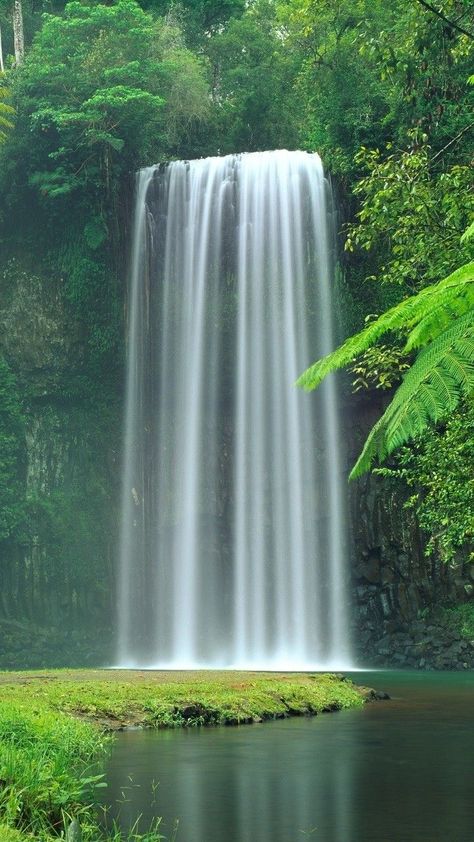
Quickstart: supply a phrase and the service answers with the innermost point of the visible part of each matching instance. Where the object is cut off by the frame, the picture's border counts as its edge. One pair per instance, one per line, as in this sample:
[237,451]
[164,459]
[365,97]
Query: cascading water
[233,543]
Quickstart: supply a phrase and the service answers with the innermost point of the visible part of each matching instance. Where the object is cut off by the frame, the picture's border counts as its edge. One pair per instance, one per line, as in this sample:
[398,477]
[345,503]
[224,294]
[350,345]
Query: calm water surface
[396,771]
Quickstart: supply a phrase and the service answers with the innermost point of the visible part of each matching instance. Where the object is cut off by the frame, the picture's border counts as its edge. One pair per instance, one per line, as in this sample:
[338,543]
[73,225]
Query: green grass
[48,767]
[53,731]
[8,834]
[118,698]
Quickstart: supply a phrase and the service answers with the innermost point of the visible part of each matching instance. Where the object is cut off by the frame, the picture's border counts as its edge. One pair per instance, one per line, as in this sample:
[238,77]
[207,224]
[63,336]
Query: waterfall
[233,549]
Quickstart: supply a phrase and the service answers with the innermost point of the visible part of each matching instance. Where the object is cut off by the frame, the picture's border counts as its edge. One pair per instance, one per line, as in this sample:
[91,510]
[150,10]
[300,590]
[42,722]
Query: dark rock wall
[57,565]
[395,585]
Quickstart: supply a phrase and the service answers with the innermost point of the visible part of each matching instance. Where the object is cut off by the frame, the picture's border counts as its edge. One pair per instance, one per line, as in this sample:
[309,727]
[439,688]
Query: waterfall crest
[232,537]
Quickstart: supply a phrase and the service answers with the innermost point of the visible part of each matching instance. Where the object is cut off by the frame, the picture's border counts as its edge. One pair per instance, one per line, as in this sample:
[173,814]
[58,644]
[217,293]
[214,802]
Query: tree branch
[454,140]
[450,23]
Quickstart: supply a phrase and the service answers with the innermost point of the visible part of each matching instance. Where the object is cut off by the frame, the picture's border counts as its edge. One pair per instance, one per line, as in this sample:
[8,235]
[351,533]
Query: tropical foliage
[131,86]
[412,215]
[103,90]
[6,112]
[440,320]
[442,491]
[412,178]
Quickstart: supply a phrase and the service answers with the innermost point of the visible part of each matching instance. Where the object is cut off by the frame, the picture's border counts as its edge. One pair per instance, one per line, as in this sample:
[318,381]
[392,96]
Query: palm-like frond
[421,317]
[440,377]
[468,234]
[440,319]
[6,112]
[448,302]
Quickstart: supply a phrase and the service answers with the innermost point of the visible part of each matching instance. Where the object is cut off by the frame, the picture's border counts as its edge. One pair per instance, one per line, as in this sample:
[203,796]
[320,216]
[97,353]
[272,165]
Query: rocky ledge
[422,645]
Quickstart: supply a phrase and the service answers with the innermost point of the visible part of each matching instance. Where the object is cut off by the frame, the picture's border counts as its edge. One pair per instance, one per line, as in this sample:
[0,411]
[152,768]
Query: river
[396,771]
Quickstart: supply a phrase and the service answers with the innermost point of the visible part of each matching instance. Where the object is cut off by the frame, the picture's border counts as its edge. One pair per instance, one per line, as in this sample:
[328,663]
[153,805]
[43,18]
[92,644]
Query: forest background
[98,90]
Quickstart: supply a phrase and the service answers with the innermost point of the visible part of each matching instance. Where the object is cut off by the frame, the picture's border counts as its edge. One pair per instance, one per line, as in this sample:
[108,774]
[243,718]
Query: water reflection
[401,770]
[226,784]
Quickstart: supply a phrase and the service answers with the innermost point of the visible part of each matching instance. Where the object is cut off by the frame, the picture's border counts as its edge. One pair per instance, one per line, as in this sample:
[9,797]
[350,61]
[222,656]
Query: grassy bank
[55,730]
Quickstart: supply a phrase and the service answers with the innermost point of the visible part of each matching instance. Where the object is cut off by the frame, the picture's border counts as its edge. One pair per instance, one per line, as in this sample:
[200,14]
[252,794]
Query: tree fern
[468,234]
[440,377]
[447,304]
[6,112]
[421,316]
[439,319]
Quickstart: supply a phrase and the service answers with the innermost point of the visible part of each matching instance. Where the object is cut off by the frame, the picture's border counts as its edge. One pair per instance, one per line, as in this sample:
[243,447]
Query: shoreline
[116,699]
[58,725]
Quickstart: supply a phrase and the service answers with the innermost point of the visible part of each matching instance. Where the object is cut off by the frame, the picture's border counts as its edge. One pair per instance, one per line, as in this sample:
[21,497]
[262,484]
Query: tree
[103,90]
[199,19]
[252,76]
[372,71]
[344,98]
[18,34]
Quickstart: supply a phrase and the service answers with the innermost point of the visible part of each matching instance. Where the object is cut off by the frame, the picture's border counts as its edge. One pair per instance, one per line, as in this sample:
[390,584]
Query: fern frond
[468,234]
[6,111]
[450,303]
[5,108]
[441,376]
[422,316]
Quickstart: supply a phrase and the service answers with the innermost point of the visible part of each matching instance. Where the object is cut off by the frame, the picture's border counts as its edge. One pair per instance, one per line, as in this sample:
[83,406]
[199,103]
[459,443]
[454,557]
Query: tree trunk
[19,41]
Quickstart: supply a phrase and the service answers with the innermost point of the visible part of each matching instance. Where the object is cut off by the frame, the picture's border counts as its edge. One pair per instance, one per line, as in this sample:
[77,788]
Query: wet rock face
[38,337]
[393,582]
[56,570]
[418,646]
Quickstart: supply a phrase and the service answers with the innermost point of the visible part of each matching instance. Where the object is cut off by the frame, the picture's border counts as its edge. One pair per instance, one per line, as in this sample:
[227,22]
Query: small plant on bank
[460,619]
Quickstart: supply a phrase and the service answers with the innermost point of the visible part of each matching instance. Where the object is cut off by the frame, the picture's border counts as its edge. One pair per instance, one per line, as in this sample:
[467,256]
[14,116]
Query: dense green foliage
[373,71]
[254,106]
[408,209]
[380,90]
[132,88]
[443,497]
[103,90]
[460,618]
[411,173]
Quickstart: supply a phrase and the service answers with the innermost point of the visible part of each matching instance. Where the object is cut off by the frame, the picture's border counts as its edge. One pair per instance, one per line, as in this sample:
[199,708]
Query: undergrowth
[48,768]
[49,777]
[460,619]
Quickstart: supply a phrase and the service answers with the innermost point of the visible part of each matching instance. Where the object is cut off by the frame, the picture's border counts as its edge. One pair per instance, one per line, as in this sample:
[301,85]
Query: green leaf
[452,295]
[441,376]
[468,234]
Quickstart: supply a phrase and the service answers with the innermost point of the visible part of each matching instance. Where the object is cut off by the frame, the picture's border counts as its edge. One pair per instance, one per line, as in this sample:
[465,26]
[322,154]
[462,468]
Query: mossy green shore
[55,730]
